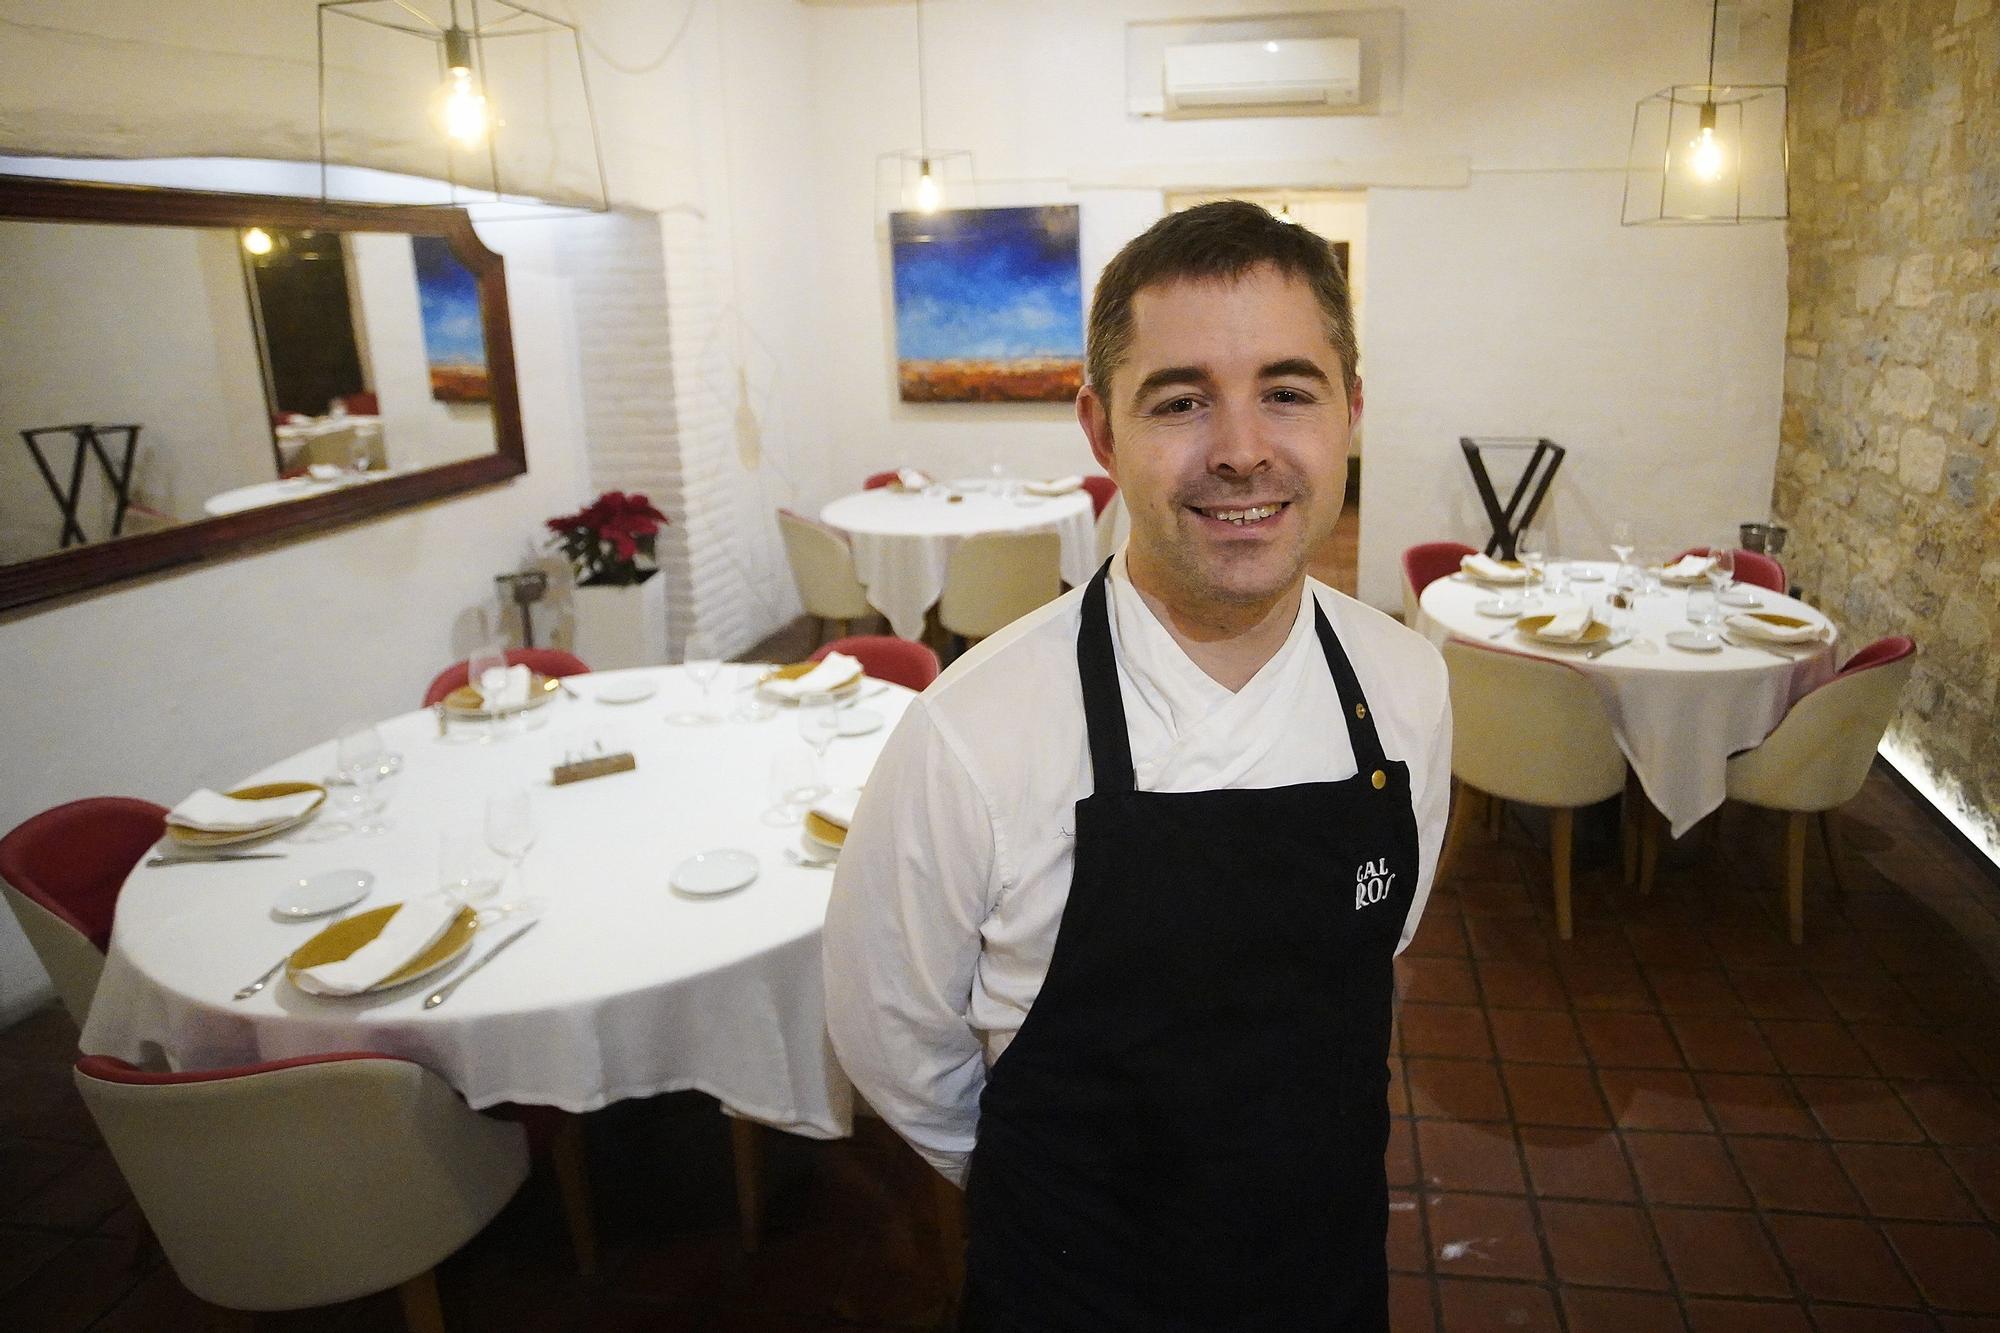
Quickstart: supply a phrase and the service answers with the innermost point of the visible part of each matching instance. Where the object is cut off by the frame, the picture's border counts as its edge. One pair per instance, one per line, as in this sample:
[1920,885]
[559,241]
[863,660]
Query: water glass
[362,759]
[1701,609]
[512,825]
[702,667]
[487,658]
[468,870]
[1721,568]
[794,784]
[1622,544]
[1532,546]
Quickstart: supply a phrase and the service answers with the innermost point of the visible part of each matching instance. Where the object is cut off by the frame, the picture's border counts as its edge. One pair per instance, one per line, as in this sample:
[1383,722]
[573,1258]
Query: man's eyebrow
[1296,367]
[1159,379]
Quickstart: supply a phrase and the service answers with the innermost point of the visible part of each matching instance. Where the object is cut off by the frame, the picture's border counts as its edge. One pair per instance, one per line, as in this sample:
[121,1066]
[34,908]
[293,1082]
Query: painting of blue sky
[989,304]
[454,336]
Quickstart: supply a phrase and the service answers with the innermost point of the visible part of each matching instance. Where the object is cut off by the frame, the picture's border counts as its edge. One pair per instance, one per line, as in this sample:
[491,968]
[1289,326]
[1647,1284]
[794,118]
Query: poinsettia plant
[608,538]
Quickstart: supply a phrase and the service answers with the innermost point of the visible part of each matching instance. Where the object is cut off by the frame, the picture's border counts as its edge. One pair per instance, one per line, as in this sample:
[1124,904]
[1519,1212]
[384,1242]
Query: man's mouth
[1242,516]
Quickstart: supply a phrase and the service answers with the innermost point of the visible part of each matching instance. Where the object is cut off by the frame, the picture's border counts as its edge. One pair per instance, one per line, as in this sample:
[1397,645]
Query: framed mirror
[186,374]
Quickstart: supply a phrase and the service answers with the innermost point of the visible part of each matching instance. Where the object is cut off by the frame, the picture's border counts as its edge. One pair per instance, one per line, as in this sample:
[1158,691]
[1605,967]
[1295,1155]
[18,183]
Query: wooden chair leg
[1457,830]
[1562,826]
[421,1311]
[1825,820]
[573,1183]
[950,1203]
[1795,874]
[747,1148]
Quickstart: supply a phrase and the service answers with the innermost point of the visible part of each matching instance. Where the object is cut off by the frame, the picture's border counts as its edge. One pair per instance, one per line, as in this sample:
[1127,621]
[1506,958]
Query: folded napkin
[503,688]
[835,671]
[1491,570]
[1567,625]
[1054,486]
[1688,567]
[837,808]
[1758,628]
[212,812]
[912,479]
[415,927]
[323,471]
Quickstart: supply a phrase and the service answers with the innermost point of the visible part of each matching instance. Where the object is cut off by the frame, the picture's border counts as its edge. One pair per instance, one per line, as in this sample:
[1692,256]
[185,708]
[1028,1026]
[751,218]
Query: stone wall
[1885,469]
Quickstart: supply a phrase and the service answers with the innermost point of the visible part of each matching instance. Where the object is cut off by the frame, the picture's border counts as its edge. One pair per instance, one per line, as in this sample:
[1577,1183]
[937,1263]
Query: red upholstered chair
[1101,490]
[886,657]
[1752,567]
[306,1182]
[544,661]
[62,870]
[880,479]
[363,404]
[1817,758]
[1423,565]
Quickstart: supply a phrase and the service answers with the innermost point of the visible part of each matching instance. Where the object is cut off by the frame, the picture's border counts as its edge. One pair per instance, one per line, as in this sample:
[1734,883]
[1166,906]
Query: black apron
[1188,1130]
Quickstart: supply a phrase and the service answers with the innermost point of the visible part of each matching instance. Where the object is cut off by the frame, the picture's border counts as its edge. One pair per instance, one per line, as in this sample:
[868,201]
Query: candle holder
[525,587]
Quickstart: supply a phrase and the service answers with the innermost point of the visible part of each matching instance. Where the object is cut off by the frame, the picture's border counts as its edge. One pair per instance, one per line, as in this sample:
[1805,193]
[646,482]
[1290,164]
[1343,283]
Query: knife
[167,859]
[443,993]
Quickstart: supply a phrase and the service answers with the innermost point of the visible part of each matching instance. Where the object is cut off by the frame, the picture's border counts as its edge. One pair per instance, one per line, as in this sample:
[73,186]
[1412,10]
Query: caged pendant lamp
[1708,152]
[490,97]
[921,180]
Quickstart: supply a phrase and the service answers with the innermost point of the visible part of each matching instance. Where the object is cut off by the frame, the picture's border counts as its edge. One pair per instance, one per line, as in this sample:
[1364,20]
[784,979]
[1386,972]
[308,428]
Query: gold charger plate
[821,829]
[795,670]
[1595,632]
[344,937]
[189,837]
[467,702]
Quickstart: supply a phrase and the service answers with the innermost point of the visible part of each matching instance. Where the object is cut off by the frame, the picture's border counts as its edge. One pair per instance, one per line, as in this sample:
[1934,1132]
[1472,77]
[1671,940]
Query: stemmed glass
[1721,569]
[511,826]
[361,758]
[1622,544]
[486,660]
[819,723]
[702,667]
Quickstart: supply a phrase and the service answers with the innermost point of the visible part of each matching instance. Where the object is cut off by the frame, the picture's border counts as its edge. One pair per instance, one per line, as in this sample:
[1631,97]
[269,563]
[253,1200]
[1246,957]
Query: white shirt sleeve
[1432,794]
[902,943]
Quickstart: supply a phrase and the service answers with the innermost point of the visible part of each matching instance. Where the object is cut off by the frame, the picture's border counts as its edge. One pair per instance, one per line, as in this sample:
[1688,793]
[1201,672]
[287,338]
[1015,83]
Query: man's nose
[1238,448]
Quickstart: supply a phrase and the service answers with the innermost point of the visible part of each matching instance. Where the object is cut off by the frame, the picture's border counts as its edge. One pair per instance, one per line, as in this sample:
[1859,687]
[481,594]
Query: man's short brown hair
[1218,241]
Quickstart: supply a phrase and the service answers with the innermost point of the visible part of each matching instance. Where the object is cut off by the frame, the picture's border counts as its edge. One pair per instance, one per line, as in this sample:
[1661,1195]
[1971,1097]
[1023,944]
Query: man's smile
[1242,516]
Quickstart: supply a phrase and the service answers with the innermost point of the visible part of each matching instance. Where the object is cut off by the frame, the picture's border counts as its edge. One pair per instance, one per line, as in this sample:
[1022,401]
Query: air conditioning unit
[1278,73]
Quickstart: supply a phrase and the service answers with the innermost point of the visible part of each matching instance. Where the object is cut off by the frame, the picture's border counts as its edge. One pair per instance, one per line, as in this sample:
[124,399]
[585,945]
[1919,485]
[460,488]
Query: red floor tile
[1472,1306]
[1654,1099]
[1963,1115]
[1455,1030]
[1483,1235]
[1815,1048]
[1577,1163]
[1841,1259]
[1458,1156]
[1540,1036]
[1726,1045]
[1687,990]
[1455,1089]
[1781,994]
[1685,1169]
[1858,1109]
[1400,1158]
[1439,935]
[1436,980]
[1554,1095]
[1755,1104]
[1979,1169]
[1507,940]
[1670,946]
[1602,986]
[1521,985]
[1903,1051]
[1711,1315]
[1593,1310]
[1408,1251]
[1956,1267]
[1719,1253]
[1797,1174]
[1629,1041]
[1605,1245]
[1410,1305]
[1907,1181]
[1871,1000]
[1851,1319]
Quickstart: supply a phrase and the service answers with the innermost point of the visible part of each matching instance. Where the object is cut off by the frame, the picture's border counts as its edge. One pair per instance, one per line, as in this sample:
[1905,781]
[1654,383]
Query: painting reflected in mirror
[297,365]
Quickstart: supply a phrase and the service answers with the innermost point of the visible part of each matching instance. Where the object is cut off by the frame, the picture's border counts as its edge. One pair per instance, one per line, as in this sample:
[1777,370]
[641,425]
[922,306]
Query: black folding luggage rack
[1509,521]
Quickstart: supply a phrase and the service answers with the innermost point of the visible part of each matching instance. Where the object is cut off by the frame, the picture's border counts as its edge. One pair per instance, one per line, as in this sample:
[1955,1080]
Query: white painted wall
[418,431]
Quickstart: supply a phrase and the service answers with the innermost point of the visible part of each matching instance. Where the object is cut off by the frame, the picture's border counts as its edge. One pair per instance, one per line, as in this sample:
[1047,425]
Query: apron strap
[1103,702]
[1361,735]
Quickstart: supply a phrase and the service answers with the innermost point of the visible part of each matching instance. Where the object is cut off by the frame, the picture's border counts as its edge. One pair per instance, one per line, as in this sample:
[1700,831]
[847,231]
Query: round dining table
[1678,715]
[902,540]
[626,986]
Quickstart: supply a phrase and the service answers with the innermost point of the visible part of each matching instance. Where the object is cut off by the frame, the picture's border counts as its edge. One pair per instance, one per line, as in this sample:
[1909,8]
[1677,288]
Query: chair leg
[1562,827]
[1825,820]
[748,1150]
[421,1311]
[1457,830]
[573,1183]
[1649,846]
[819,630]
[1795,875]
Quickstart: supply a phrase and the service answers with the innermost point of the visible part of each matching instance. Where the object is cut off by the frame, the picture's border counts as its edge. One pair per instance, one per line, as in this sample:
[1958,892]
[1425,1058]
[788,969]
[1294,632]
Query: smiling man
[1111,940]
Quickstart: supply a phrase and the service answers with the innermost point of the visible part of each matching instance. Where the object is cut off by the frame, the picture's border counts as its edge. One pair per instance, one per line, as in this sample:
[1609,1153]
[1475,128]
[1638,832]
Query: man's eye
[1174,406]
[1290,396]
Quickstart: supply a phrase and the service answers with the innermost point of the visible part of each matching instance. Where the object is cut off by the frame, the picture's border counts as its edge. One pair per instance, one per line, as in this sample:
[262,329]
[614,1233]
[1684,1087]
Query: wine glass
[1721,569]
[1532,546]
[819,723]
[466,873]
[702,666]
[511,825]
[488,660]
[1622,543]
[362,759]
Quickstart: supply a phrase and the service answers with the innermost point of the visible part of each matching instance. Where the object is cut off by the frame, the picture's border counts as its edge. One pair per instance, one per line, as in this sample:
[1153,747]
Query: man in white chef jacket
[1111,938]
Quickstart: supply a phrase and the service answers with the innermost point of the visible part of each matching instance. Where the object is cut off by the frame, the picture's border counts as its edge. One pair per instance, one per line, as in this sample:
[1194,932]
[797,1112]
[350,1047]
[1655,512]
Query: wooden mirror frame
[78,569]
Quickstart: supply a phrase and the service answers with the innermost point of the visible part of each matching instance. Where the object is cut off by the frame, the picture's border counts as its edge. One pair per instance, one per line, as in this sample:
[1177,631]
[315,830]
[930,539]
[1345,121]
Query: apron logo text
[1371,883]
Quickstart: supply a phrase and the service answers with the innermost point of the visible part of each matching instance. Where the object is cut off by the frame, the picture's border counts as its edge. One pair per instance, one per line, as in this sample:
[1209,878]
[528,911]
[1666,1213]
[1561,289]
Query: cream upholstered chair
[996,578]
[1818,757]
[305,1182]
[1530,730]
[823,567]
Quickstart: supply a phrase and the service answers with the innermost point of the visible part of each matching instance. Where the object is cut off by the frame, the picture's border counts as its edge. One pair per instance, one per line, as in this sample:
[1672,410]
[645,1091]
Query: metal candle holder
[526,587]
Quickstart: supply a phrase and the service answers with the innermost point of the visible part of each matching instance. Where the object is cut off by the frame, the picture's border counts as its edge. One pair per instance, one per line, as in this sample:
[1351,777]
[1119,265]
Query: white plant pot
[621,626]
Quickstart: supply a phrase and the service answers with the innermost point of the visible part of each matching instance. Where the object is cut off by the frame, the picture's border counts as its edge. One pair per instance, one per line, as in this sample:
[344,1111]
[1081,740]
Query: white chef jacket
[952,881]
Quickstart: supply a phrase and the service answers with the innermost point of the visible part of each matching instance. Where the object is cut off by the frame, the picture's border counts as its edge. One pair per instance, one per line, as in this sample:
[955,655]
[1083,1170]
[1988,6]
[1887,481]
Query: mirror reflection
[152,376]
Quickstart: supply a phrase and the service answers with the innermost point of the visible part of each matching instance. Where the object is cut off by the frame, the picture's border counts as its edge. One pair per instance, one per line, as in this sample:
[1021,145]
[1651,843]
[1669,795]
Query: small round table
[1678,715]
[902,540]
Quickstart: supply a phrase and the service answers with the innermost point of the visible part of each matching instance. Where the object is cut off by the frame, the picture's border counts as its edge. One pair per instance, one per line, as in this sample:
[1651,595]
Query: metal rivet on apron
[1361,710]
[1380,779]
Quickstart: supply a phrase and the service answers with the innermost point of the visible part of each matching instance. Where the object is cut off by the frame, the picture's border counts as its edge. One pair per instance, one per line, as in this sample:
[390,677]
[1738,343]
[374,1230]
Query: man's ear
[1095,417]
[1354,404]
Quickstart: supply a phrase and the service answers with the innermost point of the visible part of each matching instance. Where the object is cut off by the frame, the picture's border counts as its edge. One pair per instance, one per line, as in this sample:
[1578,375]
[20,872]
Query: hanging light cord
[923,124]
[1714,17]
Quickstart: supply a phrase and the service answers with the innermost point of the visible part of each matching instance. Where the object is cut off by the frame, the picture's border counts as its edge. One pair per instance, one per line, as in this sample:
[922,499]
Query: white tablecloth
[1678,715]
[624,989]
[903,540]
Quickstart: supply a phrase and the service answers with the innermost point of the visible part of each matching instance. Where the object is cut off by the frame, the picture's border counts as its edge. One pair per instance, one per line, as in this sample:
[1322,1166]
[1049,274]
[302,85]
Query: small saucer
[1738,597]
[1585,574]
[626,691]
[1507,607]
[856,721]
[708,873]
[316,895]
[1695,641]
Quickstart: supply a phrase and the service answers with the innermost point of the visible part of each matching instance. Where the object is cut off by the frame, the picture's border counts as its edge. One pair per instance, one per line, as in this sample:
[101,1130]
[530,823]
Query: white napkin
[838,807]
[836,670]
[1491,570]
[212,812]
[1567,625]
[323,471]
[912,479]
[1054,486]
[415,927]
[503,688]
[1764,629]
[1688,567]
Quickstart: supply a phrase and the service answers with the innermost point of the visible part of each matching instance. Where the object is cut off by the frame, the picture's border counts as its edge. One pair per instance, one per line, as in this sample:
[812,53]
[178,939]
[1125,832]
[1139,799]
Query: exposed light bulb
[461,107]
[929,193]
[257,241]
[1705,154]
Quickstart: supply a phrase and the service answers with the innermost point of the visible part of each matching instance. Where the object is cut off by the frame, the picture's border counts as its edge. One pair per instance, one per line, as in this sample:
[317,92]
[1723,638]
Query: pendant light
[921,179]
[1709,152]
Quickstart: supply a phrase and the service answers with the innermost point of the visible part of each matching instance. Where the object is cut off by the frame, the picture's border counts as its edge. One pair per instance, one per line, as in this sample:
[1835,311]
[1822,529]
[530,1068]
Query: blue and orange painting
[989,305]
[454,337]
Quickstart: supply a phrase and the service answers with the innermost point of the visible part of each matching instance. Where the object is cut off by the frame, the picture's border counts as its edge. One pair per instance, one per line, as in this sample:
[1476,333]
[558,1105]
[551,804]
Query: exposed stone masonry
[1885,466]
